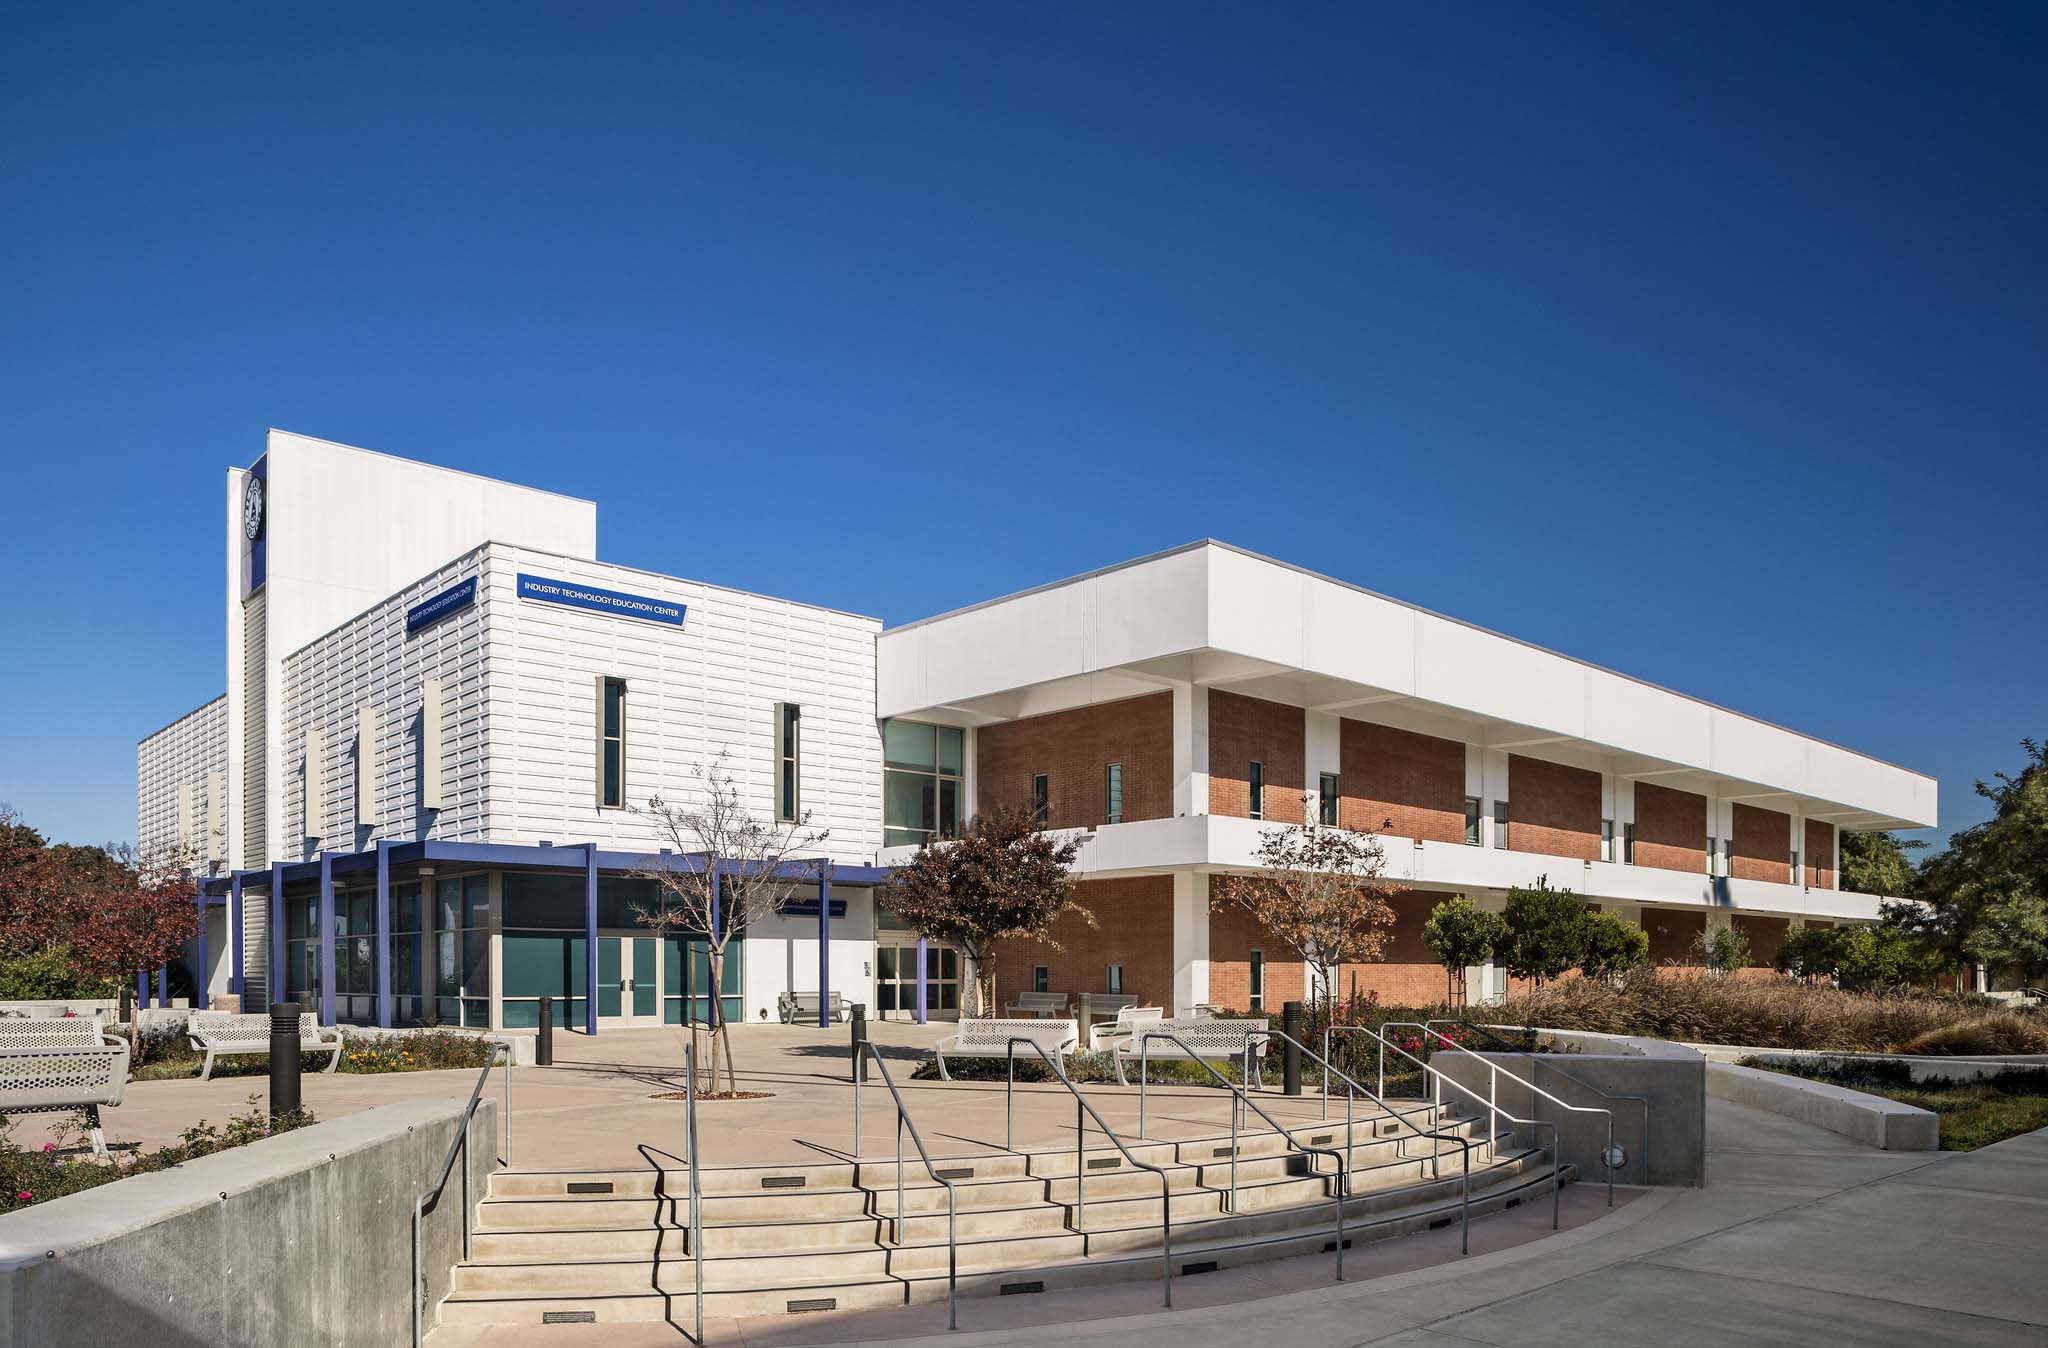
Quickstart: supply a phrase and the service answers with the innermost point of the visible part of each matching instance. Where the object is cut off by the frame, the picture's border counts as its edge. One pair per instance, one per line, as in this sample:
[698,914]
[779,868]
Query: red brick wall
[1672,932]
[1762,846]
[1553,809]
[1406,974]
[1416,781]
[1133,927]
[1671,829]
[1247,729]
[1233,934]
[1765,935]
[1819,858]
[1074,750]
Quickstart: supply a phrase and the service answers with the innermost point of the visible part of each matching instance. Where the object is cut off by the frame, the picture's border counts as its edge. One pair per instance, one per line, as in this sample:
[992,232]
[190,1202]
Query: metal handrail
[432,1197]
[1496,1071]
[952,1197]
[1080,1155]
[695,1219]
[1435,1135]
[1241,1100]
[1494,1112]
[1537,1060]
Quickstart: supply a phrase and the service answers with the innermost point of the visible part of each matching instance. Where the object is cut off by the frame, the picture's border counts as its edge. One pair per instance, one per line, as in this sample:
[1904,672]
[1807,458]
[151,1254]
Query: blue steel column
[590,938]
[276,988]
[240,971]
[163,985]
[920,980]
[199,978]
[824,943]
[383,934]
[142,988]
[328,924]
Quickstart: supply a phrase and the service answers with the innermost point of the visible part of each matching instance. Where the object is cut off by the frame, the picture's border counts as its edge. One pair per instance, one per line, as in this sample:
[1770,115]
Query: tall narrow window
[611,732]
[1041,978]
[1472,821]
[1041,799]
[1628,843]
[1258,980]
[1114,789]
[1607,840]
[1116,979]
[1500,823]
[1795,868]
[1257,777]
[1326,800]
[788,739]
[1713,846]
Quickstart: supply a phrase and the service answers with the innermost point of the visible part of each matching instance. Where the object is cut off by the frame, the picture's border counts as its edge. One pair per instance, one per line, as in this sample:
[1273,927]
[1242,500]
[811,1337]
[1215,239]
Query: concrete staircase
[613,1245]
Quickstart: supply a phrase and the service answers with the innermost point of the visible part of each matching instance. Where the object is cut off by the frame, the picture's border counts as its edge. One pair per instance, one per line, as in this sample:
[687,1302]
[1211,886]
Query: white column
[1190,749]
[1190,941]
[1487,983]
[1323,751]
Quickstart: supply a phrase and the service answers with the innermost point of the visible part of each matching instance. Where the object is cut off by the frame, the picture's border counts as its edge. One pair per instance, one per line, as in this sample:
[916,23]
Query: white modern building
[418,799]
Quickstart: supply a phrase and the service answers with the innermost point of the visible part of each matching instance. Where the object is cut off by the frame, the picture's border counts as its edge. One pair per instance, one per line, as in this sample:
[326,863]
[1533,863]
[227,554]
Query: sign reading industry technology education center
[602,601]
[457,596]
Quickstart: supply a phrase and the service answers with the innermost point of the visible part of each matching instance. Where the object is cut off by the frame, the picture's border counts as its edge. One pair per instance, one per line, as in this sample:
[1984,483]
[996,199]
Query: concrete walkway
[1801,1237]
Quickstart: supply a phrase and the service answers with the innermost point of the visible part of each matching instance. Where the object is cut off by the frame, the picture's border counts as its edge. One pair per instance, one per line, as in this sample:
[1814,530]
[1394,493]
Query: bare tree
[1319,893]
[730,869]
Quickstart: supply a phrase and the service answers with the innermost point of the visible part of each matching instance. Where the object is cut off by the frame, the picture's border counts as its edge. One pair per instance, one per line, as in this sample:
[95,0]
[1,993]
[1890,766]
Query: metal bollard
[1290,1048]
[544,1039]
[284,1058]
[858,1024]
[127,1004]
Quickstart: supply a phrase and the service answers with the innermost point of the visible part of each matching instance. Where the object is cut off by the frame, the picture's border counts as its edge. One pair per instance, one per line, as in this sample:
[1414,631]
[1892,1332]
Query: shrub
[47,974]
[1612,946]
[1546,932]
[28,1177]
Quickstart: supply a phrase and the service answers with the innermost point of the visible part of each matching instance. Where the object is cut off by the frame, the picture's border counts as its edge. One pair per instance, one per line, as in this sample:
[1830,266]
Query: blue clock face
[252,508]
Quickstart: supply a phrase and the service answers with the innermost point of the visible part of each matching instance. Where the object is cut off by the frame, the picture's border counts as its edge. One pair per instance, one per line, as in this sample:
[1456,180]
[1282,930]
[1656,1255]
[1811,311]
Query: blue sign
[601,601]
[809,908]
[429,611]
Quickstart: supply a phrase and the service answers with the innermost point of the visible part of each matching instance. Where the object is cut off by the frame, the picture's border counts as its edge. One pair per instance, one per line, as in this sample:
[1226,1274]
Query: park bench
[1038,1004]
[1102,1038]
[1206,1037]
[232,1034]
[991,1039]
[52,1063]
[796,1006]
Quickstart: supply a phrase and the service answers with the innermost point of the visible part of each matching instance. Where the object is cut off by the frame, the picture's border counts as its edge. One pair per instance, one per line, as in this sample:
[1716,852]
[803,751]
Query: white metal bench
[232,1034]
[1102,1038]
[795,1006]
[1038,1004]
[1205,1037]
[52,1063]
[991,1039]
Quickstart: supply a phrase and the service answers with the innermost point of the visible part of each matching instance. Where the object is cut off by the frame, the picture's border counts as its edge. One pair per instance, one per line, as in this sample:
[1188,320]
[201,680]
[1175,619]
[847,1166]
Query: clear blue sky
[1706,342]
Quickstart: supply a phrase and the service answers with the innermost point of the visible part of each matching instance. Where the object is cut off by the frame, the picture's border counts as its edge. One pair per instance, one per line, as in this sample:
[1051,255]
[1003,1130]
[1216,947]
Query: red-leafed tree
[100,910]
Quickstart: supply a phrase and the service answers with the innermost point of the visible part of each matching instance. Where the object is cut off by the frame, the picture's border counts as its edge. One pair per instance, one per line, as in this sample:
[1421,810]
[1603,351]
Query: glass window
[1258,786]
[1500,823]
[1472,821]
[909,744]
[611,786]
[1041,978]
[1795,868]
[1326,800]
[1258,980]
[923,793]
[1041,798]
[1713,845]
[1628,843]
[788,724]
[1607,840]
[1115,792]
[1115,978]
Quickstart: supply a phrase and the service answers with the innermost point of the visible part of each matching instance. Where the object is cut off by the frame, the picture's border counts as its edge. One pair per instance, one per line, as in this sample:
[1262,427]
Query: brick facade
[1242,731]
[1671,829]
[1233,935]
[1762,846]
[1672,933]
[1818,859]
[1553,809]
[1406,974]
[1765,935]
[1074,750]
[1133,927]
[1401,783]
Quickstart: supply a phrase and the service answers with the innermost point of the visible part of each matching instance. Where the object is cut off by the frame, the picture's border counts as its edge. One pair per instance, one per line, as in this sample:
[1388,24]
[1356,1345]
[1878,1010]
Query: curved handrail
[1242,1097]
[1081,1168]
[1434,1134]
[903,1119]
[1494,1111]
[1537,1060]
[432,1197]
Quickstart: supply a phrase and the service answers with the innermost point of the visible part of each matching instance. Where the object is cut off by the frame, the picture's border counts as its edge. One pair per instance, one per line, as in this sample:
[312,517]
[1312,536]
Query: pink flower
[24,1197]
[49,1147]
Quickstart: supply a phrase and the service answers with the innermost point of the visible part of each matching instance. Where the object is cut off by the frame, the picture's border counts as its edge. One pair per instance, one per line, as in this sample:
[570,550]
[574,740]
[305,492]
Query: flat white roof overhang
[1213,615]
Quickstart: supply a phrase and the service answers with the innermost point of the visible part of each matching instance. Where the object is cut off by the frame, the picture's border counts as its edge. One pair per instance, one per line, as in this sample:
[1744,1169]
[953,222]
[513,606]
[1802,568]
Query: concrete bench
[1038,1004]
[55,1063]
[795,1006]
[1129,1019]
[991,1039]
[1206,1037]
[233,1034]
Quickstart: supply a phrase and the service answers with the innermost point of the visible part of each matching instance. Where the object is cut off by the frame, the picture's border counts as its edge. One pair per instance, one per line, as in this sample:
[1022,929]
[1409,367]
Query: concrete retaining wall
[1921,1067]
[298,1241]
[1869,1119]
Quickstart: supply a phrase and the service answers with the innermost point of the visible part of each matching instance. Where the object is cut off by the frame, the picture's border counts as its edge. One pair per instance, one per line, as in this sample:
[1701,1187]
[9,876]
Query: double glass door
[629,980]
[896,981]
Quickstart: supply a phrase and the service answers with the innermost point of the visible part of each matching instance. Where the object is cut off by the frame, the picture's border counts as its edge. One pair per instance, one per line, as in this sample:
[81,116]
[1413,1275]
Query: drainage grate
[1320,1138]
[959,1172]
[1225,1151]
[590,1186]
[1330,1246]
[802,1304]
[1105,1163]
[1389,1129]
[1011,1289]
[1203,1266]
[782,1181]
[1441,1222]
[1512,1203]
[568,1317]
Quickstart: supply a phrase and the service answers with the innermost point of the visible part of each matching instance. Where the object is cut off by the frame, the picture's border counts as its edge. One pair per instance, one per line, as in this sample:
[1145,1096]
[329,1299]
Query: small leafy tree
[1319,893]
[1809,952]
[1612,947]
[102,913]
[729,868]
[1546,931]
[1461,934]
[1722,950]
[2011,934]
[1876,863]
[1003,879]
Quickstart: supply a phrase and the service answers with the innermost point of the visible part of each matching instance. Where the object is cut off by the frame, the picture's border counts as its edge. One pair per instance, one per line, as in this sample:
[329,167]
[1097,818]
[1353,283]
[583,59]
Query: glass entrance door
[896,982]
[628,980]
